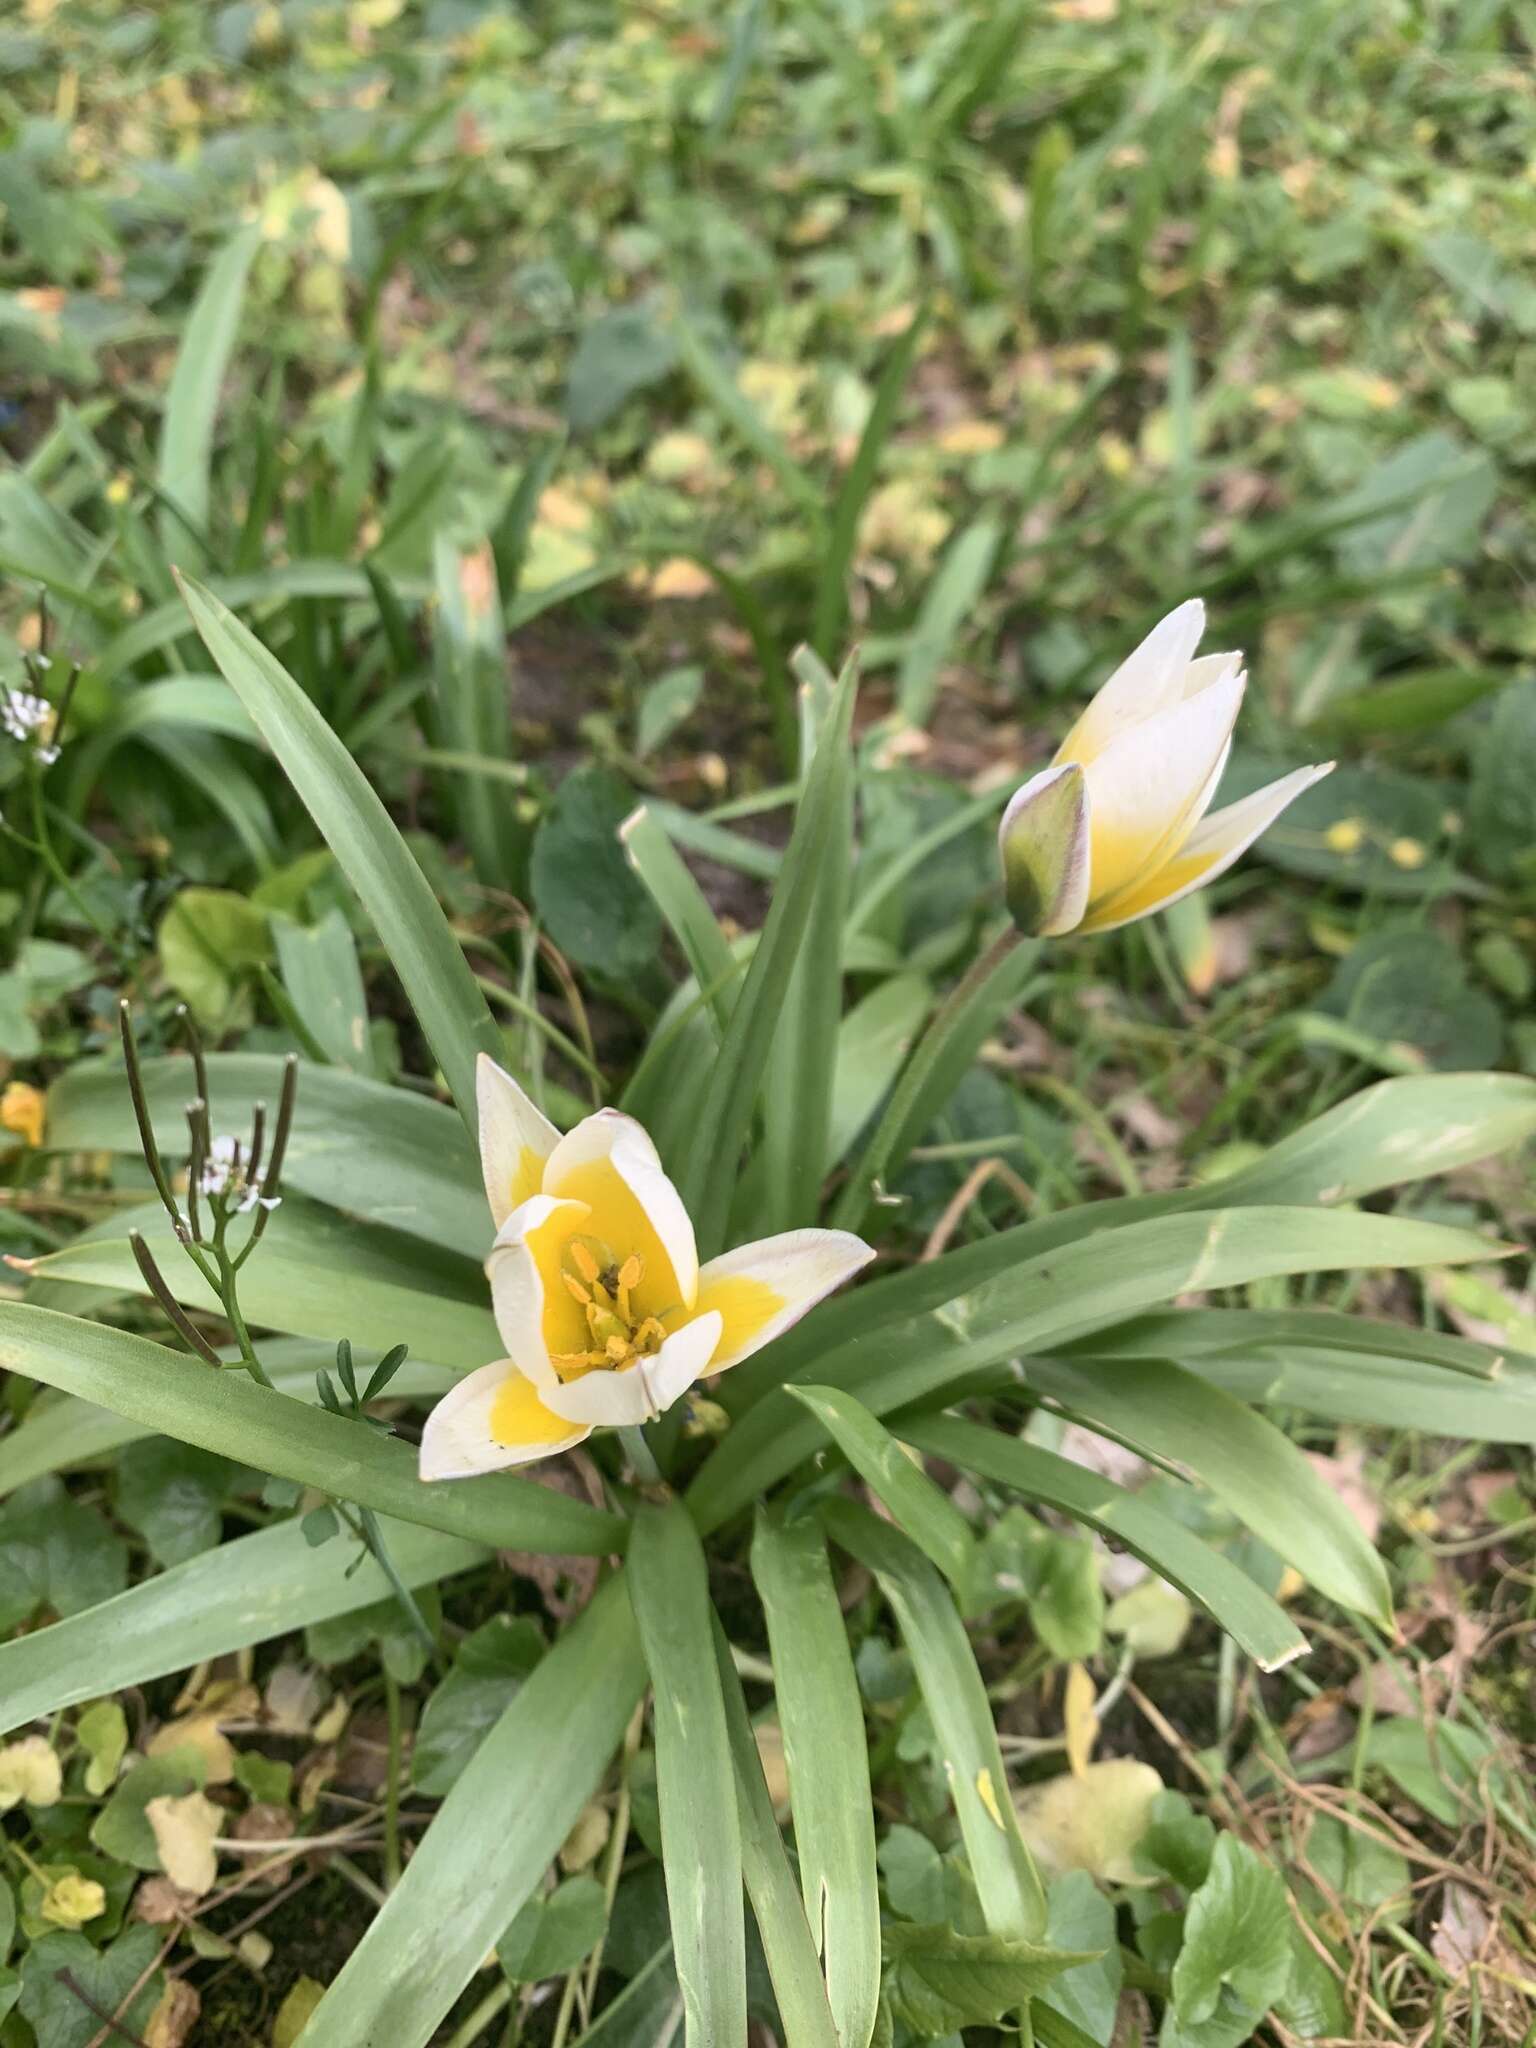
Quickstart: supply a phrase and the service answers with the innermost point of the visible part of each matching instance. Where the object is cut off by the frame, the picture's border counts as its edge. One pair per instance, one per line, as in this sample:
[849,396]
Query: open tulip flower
[1116,827]
[606,1313]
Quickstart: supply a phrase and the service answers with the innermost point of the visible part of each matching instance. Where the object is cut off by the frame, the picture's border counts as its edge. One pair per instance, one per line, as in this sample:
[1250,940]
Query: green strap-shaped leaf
[771,1886]
[495,1835]
[1012,1900]
[924,1510]
[1257,1623]
[826,1756]
[192,402]
[224,1411]
[383,1153]
[700,1832]
[240,1593]
[731,1092]
[1251,1467]
[391,887]
[683,904]
[1392,1132]
[1049,1300]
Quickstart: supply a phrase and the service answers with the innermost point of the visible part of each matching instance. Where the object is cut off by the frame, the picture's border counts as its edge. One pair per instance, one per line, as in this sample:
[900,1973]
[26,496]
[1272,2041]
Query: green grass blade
[471,703]
[192,402]
[776,1905]
[700,1832]
[830,613]
[1012,1900]
[719,387]
[822,1721]
[1251,1467]
[683,904]
[228,1413]
[1258,1624]
[397,896]
[1051,1300]
[497,1832]
[730,1094]
[239,1593]
[923,1510]
[946,610]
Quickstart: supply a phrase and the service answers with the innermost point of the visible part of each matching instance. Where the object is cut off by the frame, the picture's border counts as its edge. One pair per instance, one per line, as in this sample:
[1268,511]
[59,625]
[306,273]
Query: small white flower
[224,1174]
[27,717]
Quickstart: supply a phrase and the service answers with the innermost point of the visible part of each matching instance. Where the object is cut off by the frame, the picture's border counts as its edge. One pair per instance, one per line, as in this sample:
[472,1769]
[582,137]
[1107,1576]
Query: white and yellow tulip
[606,1313]
[1116,827]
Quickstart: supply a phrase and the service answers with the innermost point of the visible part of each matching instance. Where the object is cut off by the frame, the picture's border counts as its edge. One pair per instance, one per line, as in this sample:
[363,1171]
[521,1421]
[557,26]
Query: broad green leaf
[491,1663]
[1047,1301]
[1237,1936]
[208,940]
[378,1152]
[324,981]
[1012,1900]
[940,1981]
[391,887]
[826,1756]
[872,1041]
[915,1503]
[228,1413]
[730,1092]
[700,1829]
[554,1932]
[192,402]
[1252,1468]
[173,1496]
[109,1977]
[247,1591]
[492,1839]
[1178,1842]
[1081,1917]
[592,906]
[790,1951]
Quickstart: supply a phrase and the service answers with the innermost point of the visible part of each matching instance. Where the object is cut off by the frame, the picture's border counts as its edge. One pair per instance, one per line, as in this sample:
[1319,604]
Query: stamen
[631,1272]
[618,1350]
[582,1259]
[575,1289]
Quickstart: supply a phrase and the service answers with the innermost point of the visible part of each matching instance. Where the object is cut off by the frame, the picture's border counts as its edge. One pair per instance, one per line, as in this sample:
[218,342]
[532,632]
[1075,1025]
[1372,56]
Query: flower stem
[392,1862]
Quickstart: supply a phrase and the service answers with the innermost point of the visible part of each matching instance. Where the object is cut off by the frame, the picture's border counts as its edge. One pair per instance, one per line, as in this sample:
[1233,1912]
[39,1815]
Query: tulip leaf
[700,1831]
[192,402]
[1049,1300]
[923,1510]
[228,1413]
[729,1096]
[1341,1367]
[1256,1622]
[821,1718]
[290,1285]
[492,1839]
[1250,1466]
[683,904]
[1012,1900]
[377,1152]
[222,1600]
[788,1947]
[802,1057]
[1391,1132]
[391,887]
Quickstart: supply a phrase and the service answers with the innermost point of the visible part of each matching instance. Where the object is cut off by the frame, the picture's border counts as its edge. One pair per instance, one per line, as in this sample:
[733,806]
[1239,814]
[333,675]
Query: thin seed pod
[258,1138]
[147,1143]
[194,1039]
[197,1158]
[177,1315]
[280,1130]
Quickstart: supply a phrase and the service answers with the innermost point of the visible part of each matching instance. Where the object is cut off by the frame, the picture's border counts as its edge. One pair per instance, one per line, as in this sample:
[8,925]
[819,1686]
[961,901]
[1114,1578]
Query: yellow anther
[631,1272]
[575,1289]
[618,1349]
[581,1258]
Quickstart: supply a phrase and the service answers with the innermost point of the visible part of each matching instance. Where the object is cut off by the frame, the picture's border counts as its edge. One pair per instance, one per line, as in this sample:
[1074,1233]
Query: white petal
[1146,788]
[458,1442]
[1144,683]
[515,1140]
[647,1389]
[760,1289]
[1209,851]
[578,1169]
[1044,842]
[519,1295]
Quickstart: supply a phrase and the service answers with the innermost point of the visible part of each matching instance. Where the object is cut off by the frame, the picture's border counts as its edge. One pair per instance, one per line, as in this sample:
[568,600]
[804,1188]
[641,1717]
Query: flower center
[602,1285]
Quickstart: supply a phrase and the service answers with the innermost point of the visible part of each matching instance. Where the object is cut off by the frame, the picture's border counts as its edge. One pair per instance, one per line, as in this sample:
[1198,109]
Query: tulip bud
[1043,840]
